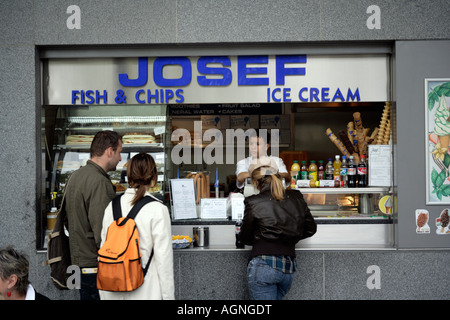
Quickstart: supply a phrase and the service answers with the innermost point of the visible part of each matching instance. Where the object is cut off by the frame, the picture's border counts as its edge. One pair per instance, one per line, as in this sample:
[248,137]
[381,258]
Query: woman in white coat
[154,226]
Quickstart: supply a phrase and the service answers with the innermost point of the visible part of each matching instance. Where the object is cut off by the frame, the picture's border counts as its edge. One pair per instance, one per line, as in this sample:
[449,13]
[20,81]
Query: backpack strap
[117,209]
[148,263]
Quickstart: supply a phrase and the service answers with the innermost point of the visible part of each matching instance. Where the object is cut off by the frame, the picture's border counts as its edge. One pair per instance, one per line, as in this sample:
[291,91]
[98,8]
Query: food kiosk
[193,114]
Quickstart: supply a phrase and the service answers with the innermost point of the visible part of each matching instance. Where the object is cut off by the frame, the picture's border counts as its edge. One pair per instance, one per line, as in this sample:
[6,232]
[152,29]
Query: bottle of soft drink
[321,170]
[303,171]
[329,170]
[351,173]
[362,172]
[344,169]
[295,171]
[239,244]
[337,168]
[312,170]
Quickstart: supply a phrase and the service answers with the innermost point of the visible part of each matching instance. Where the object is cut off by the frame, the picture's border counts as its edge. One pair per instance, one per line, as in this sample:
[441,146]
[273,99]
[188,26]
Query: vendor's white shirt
[244,164]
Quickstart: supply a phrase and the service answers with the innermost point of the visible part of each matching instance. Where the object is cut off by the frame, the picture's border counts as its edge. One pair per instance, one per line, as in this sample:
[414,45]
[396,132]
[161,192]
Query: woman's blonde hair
[142,173]
[267,175]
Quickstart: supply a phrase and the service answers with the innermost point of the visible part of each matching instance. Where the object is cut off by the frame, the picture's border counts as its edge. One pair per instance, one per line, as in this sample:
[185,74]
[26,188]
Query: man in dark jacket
[88,193]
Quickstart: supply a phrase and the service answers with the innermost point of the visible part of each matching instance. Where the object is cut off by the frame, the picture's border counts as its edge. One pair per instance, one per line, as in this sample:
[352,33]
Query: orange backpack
[119,259]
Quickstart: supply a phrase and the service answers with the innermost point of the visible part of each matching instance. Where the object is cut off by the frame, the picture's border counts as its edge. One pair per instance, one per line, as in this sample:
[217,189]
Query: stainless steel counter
[347,236]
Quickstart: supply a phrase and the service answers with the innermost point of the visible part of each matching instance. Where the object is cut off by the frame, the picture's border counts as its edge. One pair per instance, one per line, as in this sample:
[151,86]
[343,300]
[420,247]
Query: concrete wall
[26,25]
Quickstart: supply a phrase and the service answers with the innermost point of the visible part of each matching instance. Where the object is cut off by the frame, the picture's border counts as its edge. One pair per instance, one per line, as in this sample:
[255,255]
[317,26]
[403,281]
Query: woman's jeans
[265,282]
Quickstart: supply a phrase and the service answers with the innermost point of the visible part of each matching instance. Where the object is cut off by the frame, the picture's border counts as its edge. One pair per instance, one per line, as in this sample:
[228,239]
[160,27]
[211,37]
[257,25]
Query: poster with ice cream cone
[437,140]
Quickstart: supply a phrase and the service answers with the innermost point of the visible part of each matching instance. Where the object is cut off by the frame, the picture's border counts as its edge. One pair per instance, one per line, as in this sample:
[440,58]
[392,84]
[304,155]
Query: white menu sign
[380,165]
[212,208]
[183,199]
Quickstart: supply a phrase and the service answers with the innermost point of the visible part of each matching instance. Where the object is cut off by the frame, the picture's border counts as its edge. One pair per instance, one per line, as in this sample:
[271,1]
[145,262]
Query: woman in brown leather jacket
[274,221]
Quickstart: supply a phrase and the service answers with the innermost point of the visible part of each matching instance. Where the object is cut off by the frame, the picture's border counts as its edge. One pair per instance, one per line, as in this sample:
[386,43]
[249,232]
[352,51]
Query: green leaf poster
[437,141]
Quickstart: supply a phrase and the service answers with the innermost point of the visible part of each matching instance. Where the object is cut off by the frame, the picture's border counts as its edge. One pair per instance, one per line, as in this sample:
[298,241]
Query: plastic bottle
[313,172]
[239,244]
[295,168]
[337,168]
[303,171]
[351,173]
[362,172]
[344,169]
[329,170]
[321,170]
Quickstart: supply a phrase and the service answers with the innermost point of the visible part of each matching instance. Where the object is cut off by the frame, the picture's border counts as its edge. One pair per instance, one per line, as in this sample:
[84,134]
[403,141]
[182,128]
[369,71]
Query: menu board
[183,199]
[380,165]
[213,208]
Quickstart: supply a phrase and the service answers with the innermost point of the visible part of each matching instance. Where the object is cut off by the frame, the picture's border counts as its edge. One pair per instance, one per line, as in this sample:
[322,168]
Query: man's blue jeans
[265,282]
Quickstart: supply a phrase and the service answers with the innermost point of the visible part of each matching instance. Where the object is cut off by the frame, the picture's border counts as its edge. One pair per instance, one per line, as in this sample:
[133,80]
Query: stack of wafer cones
[384,131]
[354,142]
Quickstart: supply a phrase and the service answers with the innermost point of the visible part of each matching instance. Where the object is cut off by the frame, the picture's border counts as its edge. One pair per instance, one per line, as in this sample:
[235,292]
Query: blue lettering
[338,95]
[243,71]
[300,95]
[138,93]
[286,94]
[98,96]
[179,94]
[314,94]
[154,96]
[125,81]
[282,71]
[75,96]
[186,70]
[325,94]
[352,96]
[169,95]
[90,97]
[273,95]
[202,67]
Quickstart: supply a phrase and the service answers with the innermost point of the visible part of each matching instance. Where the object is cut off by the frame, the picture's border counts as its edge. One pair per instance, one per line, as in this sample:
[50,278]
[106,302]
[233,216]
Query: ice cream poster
[437,126]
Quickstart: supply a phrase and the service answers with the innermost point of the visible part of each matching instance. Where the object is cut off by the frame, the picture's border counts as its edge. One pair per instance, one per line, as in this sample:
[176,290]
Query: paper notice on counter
[212,208]
[183,199]
[380,165]
[237,208]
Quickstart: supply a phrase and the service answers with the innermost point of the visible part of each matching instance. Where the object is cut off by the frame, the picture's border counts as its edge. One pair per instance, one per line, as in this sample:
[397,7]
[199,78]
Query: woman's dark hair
[103,140]
[13,262]
[142,173]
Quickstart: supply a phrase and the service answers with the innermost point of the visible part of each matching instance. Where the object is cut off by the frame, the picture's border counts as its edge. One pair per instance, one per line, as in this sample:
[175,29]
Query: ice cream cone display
[384,131]
[350,132]
[355,140]
[361,133]
[346,141]
[337,142]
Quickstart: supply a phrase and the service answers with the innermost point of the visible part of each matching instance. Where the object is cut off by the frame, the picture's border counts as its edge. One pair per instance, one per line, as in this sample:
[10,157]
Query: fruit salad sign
[437,101]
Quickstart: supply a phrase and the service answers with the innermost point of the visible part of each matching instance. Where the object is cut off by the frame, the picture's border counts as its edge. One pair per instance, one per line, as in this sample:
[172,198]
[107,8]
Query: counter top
[319,220]
[301,247]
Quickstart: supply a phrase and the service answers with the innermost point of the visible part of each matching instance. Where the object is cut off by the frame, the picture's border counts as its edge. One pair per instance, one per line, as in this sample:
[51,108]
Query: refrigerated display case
[68,134]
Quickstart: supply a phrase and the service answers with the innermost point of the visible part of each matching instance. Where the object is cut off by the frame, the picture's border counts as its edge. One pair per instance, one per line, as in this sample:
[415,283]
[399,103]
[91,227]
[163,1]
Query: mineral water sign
[218,79]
